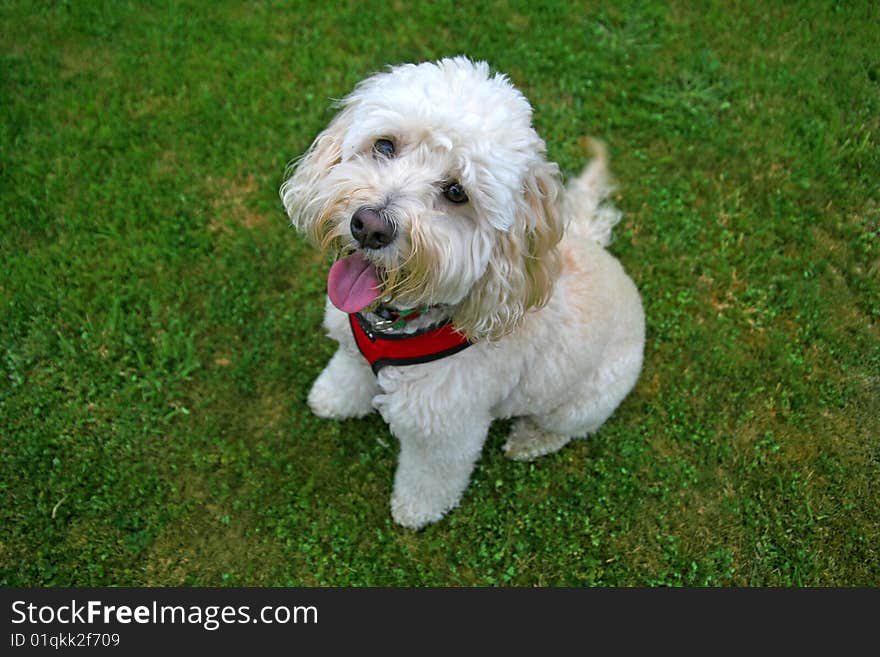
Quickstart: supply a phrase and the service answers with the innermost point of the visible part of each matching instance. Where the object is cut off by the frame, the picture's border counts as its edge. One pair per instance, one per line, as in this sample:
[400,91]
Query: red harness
[381,349]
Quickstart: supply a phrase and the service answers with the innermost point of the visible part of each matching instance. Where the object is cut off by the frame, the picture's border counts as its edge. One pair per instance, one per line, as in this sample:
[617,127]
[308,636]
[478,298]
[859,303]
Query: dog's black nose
[372,229]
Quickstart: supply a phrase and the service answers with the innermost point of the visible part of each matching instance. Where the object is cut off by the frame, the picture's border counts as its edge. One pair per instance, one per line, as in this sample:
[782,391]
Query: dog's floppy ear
[302,193]
[524,262]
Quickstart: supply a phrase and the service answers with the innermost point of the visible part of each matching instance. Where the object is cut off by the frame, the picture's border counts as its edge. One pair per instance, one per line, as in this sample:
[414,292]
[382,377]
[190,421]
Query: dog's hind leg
[591,404]
[527,441]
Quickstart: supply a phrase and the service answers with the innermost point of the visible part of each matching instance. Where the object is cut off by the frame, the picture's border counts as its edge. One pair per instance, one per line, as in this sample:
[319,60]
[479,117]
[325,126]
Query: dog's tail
[586,203]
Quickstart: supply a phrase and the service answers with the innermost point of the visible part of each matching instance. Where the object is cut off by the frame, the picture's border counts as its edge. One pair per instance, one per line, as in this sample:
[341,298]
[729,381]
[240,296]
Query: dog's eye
[384,147]
[455,192]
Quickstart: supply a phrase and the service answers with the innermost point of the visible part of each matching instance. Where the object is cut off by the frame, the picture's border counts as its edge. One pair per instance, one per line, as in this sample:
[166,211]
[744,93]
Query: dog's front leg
[345,388]
[439,445]
[433,472]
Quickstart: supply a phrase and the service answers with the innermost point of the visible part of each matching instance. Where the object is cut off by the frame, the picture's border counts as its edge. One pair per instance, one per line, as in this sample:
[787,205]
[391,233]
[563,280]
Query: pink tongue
[352,283]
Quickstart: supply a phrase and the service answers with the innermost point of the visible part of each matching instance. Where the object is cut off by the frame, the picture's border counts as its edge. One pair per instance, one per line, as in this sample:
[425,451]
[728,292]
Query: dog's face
[433,185]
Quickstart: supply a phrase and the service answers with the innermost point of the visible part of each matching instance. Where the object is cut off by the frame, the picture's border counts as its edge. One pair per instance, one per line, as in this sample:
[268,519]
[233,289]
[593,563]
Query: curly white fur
[557,326]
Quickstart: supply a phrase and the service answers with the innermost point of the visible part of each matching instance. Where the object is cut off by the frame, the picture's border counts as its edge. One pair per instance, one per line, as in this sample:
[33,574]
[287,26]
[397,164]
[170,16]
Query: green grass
[160,321]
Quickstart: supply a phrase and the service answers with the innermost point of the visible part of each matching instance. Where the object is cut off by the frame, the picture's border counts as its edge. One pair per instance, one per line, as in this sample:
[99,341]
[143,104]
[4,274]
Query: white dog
[469,285]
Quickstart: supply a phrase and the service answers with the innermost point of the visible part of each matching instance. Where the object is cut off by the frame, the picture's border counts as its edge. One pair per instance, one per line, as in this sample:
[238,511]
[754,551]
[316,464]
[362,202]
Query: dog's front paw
[344,389]
[334,403]
[414,513]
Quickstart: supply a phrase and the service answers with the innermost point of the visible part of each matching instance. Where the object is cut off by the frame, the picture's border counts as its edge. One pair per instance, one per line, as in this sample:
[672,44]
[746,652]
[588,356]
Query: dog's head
[433,185]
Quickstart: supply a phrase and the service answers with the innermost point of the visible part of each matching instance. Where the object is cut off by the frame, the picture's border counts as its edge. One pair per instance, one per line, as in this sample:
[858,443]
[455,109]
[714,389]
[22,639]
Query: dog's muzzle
[372,229]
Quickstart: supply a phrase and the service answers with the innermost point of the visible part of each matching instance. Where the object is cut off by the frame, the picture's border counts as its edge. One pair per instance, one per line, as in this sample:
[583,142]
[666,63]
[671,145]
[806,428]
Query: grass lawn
[160,321]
